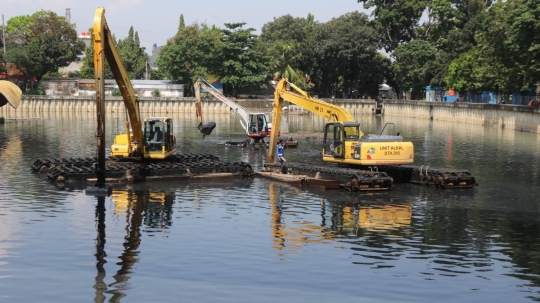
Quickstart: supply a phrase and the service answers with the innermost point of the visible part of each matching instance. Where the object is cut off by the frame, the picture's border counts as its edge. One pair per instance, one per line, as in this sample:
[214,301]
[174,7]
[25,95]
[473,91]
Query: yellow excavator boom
[344,142]
[157,141]
[104,48]
[302,99]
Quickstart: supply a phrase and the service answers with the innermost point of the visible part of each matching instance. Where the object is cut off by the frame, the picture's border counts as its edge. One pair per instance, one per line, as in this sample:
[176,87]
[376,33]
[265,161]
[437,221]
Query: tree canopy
[190,54]
[242,63]
[134,57]
[471,45]
[342,56]
[41,43]
[506,53]
[411,64]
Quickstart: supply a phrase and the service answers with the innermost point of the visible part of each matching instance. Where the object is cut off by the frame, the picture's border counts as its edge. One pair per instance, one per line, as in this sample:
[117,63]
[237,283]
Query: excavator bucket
[206,129]
[9,93]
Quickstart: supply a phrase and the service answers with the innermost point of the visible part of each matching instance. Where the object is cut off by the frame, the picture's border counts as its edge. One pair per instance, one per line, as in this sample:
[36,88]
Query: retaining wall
[518,117]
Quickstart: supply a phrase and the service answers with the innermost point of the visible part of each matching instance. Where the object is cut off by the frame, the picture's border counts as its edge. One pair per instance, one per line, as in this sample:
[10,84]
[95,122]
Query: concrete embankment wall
[516,117]
[147,105]
[37,104]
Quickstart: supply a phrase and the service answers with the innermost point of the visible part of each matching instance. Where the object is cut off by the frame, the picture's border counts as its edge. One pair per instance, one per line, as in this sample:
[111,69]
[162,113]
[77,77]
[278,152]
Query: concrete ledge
[517,117]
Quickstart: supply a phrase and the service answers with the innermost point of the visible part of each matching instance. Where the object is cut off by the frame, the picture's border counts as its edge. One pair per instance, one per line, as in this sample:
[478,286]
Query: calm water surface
[252,240]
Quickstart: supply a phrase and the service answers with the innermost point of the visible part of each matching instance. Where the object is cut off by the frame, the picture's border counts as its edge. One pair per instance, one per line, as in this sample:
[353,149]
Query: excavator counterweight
[344,143]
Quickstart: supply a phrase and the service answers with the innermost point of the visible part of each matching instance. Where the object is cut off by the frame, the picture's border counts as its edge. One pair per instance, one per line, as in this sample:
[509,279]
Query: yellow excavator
[152,139]
[146,150]
[343,142]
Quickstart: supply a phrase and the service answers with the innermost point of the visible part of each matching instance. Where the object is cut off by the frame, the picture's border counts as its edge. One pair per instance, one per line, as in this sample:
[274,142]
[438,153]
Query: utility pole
[3,37]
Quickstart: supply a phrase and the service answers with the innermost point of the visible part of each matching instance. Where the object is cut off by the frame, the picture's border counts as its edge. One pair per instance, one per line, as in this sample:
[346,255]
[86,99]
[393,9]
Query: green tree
[510,43]
[411,65]
[506,55]
[282,56]
[284,42]
[397,21]
[342,55]
[155,74]
[445,16]
[243,65]
[193,52]
[285,28]
[181,24]
[3,66]
[41,43]
[456,42]
[133,55]
[463,75]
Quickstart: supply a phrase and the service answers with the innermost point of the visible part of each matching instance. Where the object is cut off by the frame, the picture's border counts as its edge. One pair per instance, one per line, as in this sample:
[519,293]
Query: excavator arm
[344,142]
[205,129]
[240,111]
[302,99]
[104,48]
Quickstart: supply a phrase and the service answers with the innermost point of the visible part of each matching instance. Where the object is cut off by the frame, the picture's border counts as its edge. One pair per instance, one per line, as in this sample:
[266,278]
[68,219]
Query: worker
[259,125]
[280,151]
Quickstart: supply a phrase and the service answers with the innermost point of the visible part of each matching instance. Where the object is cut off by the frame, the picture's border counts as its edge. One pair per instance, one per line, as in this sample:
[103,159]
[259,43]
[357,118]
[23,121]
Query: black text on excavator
[344,142]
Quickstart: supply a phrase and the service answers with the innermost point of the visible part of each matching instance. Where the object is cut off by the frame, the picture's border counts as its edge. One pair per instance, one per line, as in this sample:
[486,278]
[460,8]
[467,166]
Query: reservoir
[256,240]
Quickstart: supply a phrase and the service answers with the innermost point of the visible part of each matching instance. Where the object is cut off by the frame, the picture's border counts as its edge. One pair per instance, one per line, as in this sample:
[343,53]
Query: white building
[87,87]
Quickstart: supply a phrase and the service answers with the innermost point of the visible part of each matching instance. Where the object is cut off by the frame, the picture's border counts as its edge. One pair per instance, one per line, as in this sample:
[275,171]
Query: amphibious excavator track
[432,177]
[176,166]
[351,179]
[355,179]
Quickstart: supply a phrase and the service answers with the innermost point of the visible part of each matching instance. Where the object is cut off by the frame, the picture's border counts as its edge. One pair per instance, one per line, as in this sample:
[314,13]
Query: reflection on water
[384,217]
[250,239]
[149,208]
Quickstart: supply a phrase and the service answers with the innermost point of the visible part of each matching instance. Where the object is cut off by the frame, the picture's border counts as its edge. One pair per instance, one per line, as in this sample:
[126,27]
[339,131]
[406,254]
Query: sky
[157,20]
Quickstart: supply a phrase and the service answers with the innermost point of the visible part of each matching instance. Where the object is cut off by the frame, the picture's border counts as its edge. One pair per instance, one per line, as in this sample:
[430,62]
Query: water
[252,240]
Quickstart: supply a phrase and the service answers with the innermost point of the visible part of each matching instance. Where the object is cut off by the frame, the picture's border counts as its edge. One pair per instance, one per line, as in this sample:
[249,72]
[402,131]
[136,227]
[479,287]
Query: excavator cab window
[351,133]
[258,124]
[155,134]
[168,136]
[334,144]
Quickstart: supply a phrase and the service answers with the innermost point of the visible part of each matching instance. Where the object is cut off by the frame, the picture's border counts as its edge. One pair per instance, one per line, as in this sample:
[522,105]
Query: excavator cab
[258,125]
[159,139]
[336,134]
